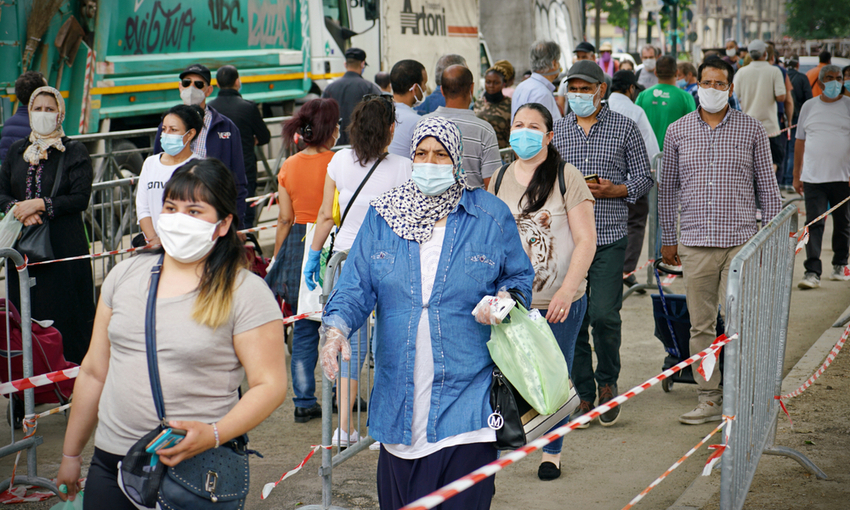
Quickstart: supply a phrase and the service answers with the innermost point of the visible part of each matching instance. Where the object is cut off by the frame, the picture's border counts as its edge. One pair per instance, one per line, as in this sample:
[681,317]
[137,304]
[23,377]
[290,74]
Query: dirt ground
[602,468]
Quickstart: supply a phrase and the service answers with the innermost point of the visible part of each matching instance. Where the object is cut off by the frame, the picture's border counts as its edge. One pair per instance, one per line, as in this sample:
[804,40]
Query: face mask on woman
[44,123]
[186,239]
[712,100]
[432,179]
[731,53]
[832,89]
[172,144]
[583,104]
[526,142]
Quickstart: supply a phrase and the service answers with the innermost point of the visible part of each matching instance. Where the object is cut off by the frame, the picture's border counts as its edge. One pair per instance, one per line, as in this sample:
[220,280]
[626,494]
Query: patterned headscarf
[40,143]
[410,213]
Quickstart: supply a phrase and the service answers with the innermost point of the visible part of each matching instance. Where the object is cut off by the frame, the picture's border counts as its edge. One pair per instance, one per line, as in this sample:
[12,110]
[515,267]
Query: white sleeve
[648,135]
[801,120]
[143,209]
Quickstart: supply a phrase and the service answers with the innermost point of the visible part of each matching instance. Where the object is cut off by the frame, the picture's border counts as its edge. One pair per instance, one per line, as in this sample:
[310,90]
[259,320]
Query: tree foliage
[818,19]
[618,11]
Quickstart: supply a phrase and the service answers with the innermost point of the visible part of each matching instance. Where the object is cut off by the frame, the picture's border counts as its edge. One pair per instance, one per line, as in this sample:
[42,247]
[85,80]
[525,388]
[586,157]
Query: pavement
[602,467]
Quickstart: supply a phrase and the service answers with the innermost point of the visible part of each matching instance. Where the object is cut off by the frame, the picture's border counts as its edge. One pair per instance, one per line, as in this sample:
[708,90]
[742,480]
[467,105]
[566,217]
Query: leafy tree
[818,19]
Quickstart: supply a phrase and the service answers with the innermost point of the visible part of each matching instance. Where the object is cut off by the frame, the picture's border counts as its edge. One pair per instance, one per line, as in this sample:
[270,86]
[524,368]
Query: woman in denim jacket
[426,254]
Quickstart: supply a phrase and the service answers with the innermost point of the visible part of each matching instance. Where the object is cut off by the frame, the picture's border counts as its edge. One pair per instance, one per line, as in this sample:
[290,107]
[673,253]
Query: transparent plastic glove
[311,268]
[492,309]
[333,342]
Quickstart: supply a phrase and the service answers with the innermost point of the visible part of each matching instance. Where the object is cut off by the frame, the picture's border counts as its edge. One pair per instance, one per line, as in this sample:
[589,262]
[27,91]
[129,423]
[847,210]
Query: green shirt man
[665,104]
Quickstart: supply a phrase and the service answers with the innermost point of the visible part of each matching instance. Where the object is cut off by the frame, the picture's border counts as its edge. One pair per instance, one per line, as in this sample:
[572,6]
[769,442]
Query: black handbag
[216,479]
[34,242]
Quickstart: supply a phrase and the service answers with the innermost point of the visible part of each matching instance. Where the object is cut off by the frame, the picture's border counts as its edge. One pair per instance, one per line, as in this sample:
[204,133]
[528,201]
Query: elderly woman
[426,254]
[494,107]
[28,181]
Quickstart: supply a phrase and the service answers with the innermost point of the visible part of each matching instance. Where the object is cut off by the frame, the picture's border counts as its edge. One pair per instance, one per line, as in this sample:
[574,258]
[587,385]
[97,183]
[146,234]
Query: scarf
[494,98]
[39,144]
[410,213]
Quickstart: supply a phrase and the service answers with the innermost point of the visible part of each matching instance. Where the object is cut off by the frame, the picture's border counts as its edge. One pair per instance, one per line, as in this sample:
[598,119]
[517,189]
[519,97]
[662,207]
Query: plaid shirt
[614,150]
[710,174]
[199,144]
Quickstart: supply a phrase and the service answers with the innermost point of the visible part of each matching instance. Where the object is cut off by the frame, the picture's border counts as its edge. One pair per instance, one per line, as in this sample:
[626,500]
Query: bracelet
[215,431]
[72,456]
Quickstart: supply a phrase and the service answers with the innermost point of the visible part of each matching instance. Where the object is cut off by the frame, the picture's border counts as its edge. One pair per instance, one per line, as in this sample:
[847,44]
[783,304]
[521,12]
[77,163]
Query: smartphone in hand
[594,178]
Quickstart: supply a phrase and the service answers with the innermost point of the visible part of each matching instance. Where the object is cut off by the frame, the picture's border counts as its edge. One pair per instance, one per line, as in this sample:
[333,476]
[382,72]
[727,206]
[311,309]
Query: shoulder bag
[215,479]
[34,242]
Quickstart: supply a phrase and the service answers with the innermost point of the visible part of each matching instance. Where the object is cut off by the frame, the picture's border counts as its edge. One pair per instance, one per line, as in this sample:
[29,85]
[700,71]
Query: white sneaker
[375,446]
[840,273]
[342,439]
[809,281]
[704,412]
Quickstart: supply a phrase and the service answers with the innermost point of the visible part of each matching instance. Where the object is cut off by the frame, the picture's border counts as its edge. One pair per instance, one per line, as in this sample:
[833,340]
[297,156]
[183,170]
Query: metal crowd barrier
[14,259]
[758,301]
[356,417]
[653,230]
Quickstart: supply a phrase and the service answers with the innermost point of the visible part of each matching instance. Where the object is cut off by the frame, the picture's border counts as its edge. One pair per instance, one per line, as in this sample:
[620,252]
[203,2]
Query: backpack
[561,183]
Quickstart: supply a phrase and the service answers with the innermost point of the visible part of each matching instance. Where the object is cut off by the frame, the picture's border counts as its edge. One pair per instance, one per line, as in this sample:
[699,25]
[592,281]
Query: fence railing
[758,301]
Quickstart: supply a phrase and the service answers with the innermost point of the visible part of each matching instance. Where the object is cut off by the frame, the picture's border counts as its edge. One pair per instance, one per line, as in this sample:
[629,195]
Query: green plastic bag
[525,350]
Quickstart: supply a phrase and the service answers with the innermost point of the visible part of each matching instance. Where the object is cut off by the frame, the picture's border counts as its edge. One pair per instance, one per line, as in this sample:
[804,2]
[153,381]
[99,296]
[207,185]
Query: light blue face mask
[526,142]
[832,89]
[582,104]
[172,144]
[847,85]
[682,83]
[432,179]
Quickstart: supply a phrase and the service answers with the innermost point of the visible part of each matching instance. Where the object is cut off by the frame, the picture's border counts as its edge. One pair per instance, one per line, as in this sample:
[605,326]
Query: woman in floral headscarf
[64,291]
[425,255]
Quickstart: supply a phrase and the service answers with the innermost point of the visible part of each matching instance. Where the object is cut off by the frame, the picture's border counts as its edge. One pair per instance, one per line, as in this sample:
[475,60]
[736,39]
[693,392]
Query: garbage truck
[116,62]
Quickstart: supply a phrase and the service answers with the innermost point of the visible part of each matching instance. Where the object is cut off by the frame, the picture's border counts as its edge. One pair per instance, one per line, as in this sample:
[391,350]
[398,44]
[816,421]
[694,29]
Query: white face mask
[186,239]
[43,123]
[417,102]
[731,53]
[712,100]
[192,95]
[649,64]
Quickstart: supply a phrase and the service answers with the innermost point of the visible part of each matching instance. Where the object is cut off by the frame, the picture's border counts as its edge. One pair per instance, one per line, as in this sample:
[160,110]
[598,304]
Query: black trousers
[636,229]
[403,481]
[102,491]
[820,197]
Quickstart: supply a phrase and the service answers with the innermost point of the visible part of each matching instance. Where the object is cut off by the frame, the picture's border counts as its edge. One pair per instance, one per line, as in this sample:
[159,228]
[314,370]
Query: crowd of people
[433,220]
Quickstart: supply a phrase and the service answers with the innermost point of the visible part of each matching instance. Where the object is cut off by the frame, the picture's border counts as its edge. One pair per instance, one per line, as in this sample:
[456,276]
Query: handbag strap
[150,340]
[58,174]
[357,192]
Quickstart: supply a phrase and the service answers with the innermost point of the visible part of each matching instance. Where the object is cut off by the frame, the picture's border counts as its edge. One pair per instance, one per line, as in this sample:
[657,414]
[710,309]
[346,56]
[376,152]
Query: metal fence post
[652,228]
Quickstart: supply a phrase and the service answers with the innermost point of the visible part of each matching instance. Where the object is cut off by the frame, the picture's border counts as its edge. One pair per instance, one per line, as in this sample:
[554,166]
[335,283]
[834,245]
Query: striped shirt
[613,150]
[709,173]
[480,148]
[199,144]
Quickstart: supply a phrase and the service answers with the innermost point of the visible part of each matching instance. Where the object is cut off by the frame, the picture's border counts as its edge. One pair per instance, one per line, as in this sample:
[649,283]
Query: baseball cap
[200,70]
[355,54]
[626,78]
[585,46]
[757,45]
[586,70]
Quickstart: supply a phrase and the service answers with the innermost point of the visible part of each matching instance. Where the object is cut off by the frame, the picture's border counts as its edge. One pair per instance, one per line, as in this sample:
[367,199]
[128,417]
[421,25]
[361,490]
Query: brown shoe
[606,393]
[584,407]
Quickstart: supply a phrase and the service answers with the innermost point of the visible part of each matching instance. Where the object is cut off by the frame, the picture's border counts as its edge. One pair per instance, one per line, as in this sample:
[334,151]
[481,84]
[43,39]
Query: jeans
[305,354]
[819,196]
[566,333]
[788,176]
[604,300]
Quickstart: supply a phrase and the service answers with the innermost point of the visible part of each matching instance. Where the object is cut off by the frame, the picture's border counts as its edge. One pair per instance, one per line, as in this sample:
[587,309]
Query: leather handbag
[215,479]
[34,242]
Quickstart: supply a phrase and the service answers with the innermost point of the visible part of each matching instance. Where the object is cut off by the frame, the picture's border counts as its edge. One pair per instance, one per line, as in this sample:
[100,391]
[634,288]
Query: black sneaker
[548,471]
[584,407]
[305,414]
[606,393]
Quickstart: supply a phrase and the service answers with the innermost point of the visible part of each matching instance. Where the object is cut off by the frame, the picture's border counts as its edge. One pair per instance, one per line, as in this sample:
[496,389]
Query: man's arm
[799,150]
[491,160]
[668,198]
[637,165]
[261,131]
[766,186]
[779,89]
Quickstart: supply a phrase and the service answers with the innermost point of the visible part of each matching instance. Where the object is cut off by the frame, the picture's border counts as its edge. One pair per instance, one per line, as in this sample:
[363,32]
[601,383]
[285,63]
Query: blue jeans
[566,333]
[788,176]
[305,354]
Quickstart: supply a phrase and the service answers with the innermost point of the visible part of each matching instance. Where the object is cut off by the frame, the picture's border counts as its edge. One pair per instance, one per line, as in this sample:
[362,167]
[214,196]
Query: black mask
[494,98]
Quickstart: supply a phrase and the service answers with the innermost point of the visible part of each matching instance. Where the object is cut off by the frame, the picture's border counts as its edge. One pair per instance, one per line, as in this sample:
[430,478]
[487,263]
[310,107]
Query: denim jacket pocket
[480,262]
[383,258]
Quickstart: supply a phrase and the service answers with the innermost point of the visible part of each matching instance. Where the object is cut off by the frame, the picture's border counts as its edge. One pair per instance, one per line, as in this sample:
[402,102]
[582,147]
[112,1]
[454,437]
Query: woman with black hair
[180,125]
[558,233]
[216,325]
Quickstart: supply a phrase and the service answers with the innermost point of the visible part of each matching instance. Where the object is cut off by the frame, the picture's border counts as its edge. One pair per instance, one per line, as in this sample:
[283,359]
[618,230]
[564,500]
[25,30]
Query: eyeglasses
[387,102]
[186,82]
[718,85]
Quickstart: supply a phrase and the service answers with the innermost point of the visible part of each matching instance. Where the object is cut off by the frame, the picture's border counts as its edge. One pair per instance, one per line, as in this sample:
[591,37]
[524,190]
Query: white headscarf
[40,143]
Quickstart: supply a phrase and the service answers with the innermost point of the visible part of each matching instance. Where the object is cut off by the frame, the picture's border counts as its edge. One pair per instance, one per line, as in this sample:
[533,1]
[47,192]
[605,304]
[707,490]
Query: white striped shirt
[480,148]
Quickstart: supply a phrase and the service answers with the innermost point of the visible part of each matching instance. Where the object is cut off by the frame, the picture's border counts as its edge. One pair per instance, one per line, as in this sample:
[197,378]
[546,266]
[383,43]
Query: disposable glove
[333,342]
[485,311]
[311,268]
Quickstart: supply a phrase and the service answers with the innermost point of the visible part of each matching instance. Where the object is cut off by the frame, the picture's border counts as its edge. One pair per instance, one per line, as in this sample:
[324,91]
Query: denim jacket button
[425,305]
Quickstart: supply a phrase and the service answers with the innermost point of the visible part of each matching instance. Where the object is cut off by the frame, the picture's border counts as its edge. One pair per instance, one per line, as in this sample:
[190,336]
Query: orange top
[303,177]
[813,75]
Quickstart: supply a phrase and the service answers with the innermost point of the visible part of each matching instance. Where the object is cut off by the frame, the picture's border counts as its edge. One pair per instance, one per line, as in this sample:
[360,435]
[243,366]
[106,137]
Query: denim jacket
[481,253]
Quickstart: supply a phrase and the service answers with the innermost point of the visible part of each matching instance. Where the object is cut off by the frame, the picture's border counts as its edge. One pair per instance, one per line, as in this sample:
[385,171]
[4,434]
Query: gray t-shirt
[480,148]
[198,367]
[826,129]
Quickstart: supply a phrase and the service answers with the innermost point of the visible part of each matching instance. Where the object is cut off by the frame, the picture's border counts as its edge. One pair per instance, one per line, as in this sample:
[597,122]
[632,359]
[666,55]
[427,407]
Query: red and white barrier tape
[261,197]
[832,354]
[38,380]
[822,216]
[648,262]
[633,502]
[30,424]
[461,484]
[294,318]
[789,128]
[21,494]
[267,488]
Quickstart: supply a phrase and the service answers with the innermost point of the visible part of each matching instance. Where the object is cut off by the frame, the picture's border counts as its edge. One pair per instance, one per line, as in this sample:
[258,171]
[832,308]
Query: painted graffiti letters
[159,29]
[224,14]
[269,23]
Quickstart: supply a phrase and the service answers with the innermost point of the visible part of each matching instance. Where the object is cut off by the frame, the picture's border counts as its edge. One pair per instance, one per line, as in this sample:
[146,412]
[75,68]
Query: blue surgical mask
[172,144]
[527,143]
[847,85]
[582,104]
[832,89]
[681,83]
[433,179]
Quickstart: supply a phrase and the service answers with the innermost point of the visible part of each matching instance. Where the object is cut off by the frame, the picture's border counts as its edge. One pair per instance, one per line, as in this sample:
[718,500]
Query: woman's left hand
[27,208]
[559,306]
[199,438]
[33,219]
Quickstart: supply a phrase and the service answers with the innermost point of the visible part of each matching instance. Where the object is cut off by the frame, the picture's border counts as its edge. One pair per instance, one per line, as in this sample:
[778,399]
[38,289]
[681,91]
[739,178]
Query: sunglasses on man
[199,84]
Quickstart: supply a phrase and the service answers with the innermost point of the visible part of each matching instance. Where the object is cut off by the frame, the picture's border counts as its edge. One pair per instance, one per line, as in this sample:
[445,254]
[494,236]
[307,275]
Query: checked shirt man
[597,140]
[711,158]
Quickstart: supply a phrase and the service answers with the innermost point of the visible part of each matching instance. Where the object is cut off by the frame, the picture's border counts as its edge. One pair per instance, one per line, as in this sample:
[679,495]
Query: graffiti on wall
[269,22]
[159,29]
[553,22]
[225,14]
